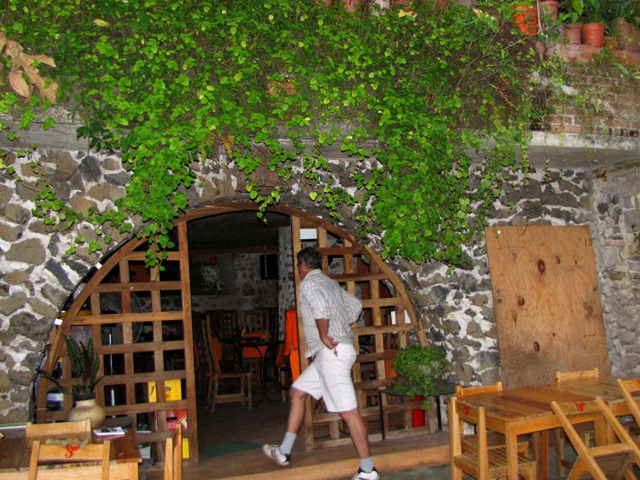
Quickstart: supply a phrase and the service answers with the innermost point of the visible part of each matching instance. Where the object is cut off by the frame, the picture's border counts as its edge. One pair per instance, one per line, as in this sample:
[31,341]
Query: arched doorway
[142,326]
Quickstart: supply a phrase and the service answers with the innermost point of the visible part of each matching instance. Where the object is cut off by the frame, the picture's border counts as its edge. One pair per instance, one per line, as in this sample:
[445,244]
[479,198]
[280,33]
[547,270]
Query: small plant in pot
[571,11]
[85,364]
[594,16]
[419,372]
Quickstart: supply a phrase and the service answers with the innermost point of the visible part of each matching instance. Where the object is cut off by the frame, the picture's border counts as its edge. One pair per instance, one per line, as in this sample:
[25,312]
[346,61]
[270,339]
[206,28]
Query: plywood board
[546,301]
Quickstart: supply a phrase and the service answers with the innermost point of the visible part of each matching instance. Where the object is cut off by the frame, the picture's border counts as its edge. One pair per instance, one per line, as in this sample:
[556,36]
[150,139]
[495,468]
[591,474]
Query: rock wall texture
[455,307]
[248,292]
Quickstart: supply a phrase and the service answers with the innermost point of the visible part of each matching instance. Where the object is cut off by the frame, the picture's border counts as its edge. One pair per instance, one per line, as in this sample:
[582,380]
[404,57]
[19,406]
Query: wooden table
[524,410]
[15,454]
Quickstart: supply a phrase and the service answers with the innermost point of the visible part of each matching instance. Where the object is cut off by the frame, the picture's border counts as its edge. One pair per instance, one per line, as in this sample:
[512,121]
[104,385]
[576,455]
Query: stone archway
[389,320]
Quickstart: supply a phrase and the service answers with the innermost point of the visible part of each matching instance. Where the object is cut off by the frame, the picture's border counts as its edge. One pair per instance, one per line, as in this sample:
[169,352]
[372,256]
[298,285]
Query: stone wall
[455,307]
[249,291]
[286,293]
[615,200]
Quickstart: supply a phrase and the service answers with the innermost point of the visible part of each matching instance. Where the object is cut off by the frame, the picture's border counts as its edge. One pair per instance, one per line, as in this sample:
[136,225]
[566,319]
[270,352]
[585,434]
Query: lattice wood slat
[362,273]
[142,365]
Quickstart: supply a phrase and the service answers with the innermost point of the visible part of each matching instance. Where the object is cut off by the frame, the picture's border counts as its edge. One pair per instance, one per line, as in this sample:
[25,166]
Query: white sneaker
[372,475]
[282,459]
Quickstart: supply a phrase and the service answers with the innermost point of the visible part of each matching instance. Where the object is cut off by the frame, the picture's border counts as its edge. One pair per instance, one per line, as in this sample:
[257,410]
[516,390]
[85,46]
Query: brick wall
[596,98]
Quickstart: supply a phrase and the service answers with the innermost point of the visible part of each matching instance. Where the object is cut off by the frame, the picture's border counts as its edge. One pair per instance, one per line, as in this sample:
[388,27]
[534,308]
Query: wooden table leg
[512,453]
[541,453]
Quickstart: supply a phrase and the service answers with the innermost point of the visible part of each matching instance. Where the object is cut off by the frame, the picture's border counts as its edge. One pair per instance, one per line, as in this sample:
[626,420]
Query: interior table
[15,454]
[525,410]
[265,351]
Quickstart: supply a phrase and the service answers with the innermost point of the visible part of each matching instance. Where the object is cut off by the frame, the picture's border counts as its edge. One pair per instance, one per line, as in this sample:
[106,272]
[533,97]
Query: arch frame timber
[364,271]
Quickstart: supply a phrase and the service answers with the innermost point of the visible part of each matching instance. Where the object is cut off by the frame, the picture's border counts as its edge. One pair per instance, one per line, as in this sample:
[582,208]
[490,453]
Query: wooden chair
[256,321]
[586,430]
[563,377]
[74,431]
[494,439]
[256,324]
[214,375]
[483,462]
[59,455]
[628,388]
[224,323]
[611,460]
[59,430]
[173,455]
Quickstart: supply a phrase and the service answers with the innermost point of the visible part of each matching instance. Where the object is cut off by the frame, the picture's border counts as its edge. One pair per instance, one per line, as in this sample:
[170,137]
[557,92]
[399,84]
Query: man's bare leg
[358,432]
[296,409]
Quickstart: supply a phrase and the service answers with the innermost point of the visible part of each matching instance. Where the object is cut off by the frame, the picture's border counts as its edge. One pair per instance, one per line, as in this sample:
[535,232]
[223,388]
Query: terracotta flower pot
[593,34]
[526,18]
[573,32]
[550,7]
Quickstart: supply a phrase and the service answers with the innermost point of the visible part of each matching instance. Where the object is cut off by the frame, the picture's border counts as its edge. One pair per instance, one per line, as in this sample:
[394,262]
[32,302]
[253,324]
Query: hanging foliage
[166,84]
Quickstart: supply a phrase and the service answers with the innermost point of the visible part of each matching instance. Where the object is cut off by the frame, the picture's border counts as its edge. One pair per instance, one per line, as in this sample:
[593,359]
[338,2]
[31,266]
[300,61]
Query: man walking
[327,313]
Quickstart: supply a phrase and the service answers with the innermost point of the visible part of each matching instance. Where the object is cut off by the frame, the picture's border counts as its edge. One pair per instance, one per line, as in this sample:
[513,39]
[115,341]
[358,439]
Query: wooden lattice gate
[388,319]
[152,350]
[144,342]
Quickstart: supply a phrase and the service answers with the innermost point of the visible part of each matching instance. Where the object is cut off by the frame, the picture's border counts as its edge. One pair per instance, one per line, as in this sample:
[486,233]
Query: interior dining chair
[610,460]
[215,375]
[585,430]
[482,463]
[34,430]
[494,439]
[256,324]
[628,388]
[173,455]
[43,456]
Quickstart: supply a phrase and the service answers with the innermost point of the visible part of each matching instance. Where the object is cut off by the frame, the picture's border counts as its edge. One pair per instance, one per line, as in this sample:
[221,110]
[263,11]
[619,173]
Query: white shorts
[329,377]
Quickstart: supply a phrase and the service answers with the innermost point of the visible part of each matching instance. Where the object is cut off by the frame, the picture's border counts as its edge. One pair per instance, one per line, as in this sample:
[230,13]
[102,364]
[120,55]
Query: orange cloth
[255,352]
[291,342]
[217,348]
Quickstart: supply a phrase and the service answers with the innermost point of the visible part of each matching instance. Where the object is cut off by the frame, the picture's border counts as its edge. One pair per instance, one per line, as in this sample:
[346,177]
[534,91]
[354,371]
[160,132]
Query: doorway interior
[227,259]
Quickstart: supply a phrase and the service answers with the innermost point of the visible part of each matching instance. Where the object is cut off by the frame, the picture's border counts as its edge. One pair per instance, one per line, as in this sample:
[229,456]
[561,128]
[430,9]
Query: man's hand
[329,342]
[323,330]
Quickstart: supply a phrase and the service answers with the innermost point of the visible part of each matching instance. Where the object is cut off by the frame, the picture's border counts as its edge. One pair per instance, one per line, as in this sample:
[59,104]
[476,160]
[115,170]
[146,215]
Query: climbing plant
[410,93]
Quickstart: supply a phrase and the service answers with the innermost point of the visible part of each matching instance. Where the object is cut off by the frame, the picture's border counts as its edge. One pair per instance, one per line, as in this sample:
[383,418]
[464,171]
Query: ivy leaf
[489,20]
[100,23]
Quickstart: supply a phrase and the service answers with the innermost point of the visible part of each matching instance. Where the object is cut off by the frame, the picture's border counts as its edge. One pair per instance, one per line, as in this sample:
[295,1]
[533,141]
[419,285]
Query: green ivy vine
[168,84]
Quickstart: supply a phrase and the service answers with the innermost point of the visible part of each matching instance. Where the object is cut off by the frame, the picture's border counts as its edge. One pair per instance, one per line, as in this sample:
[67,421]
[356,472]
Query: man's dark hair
[311,257]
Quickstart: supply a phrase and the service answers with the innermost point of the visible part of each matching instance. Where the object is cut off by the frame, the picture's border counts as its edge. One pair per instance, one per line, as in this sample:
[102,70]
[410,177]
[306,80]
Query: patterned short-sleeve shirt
[323,297]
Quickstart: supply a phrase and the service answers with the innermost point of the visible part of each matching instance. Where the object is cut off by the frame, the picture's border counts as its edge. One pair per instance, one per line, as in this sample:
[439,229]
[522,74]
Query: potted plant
[570,17]
[550,8]
[419,372]
[85,364]
[525,15]
[594,16]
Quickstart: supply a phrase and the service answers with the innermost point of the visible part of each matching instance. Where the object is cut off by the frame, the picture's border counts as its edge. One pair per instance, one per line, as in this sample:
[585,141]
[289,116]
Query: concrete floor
[441,472]
[266,423]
